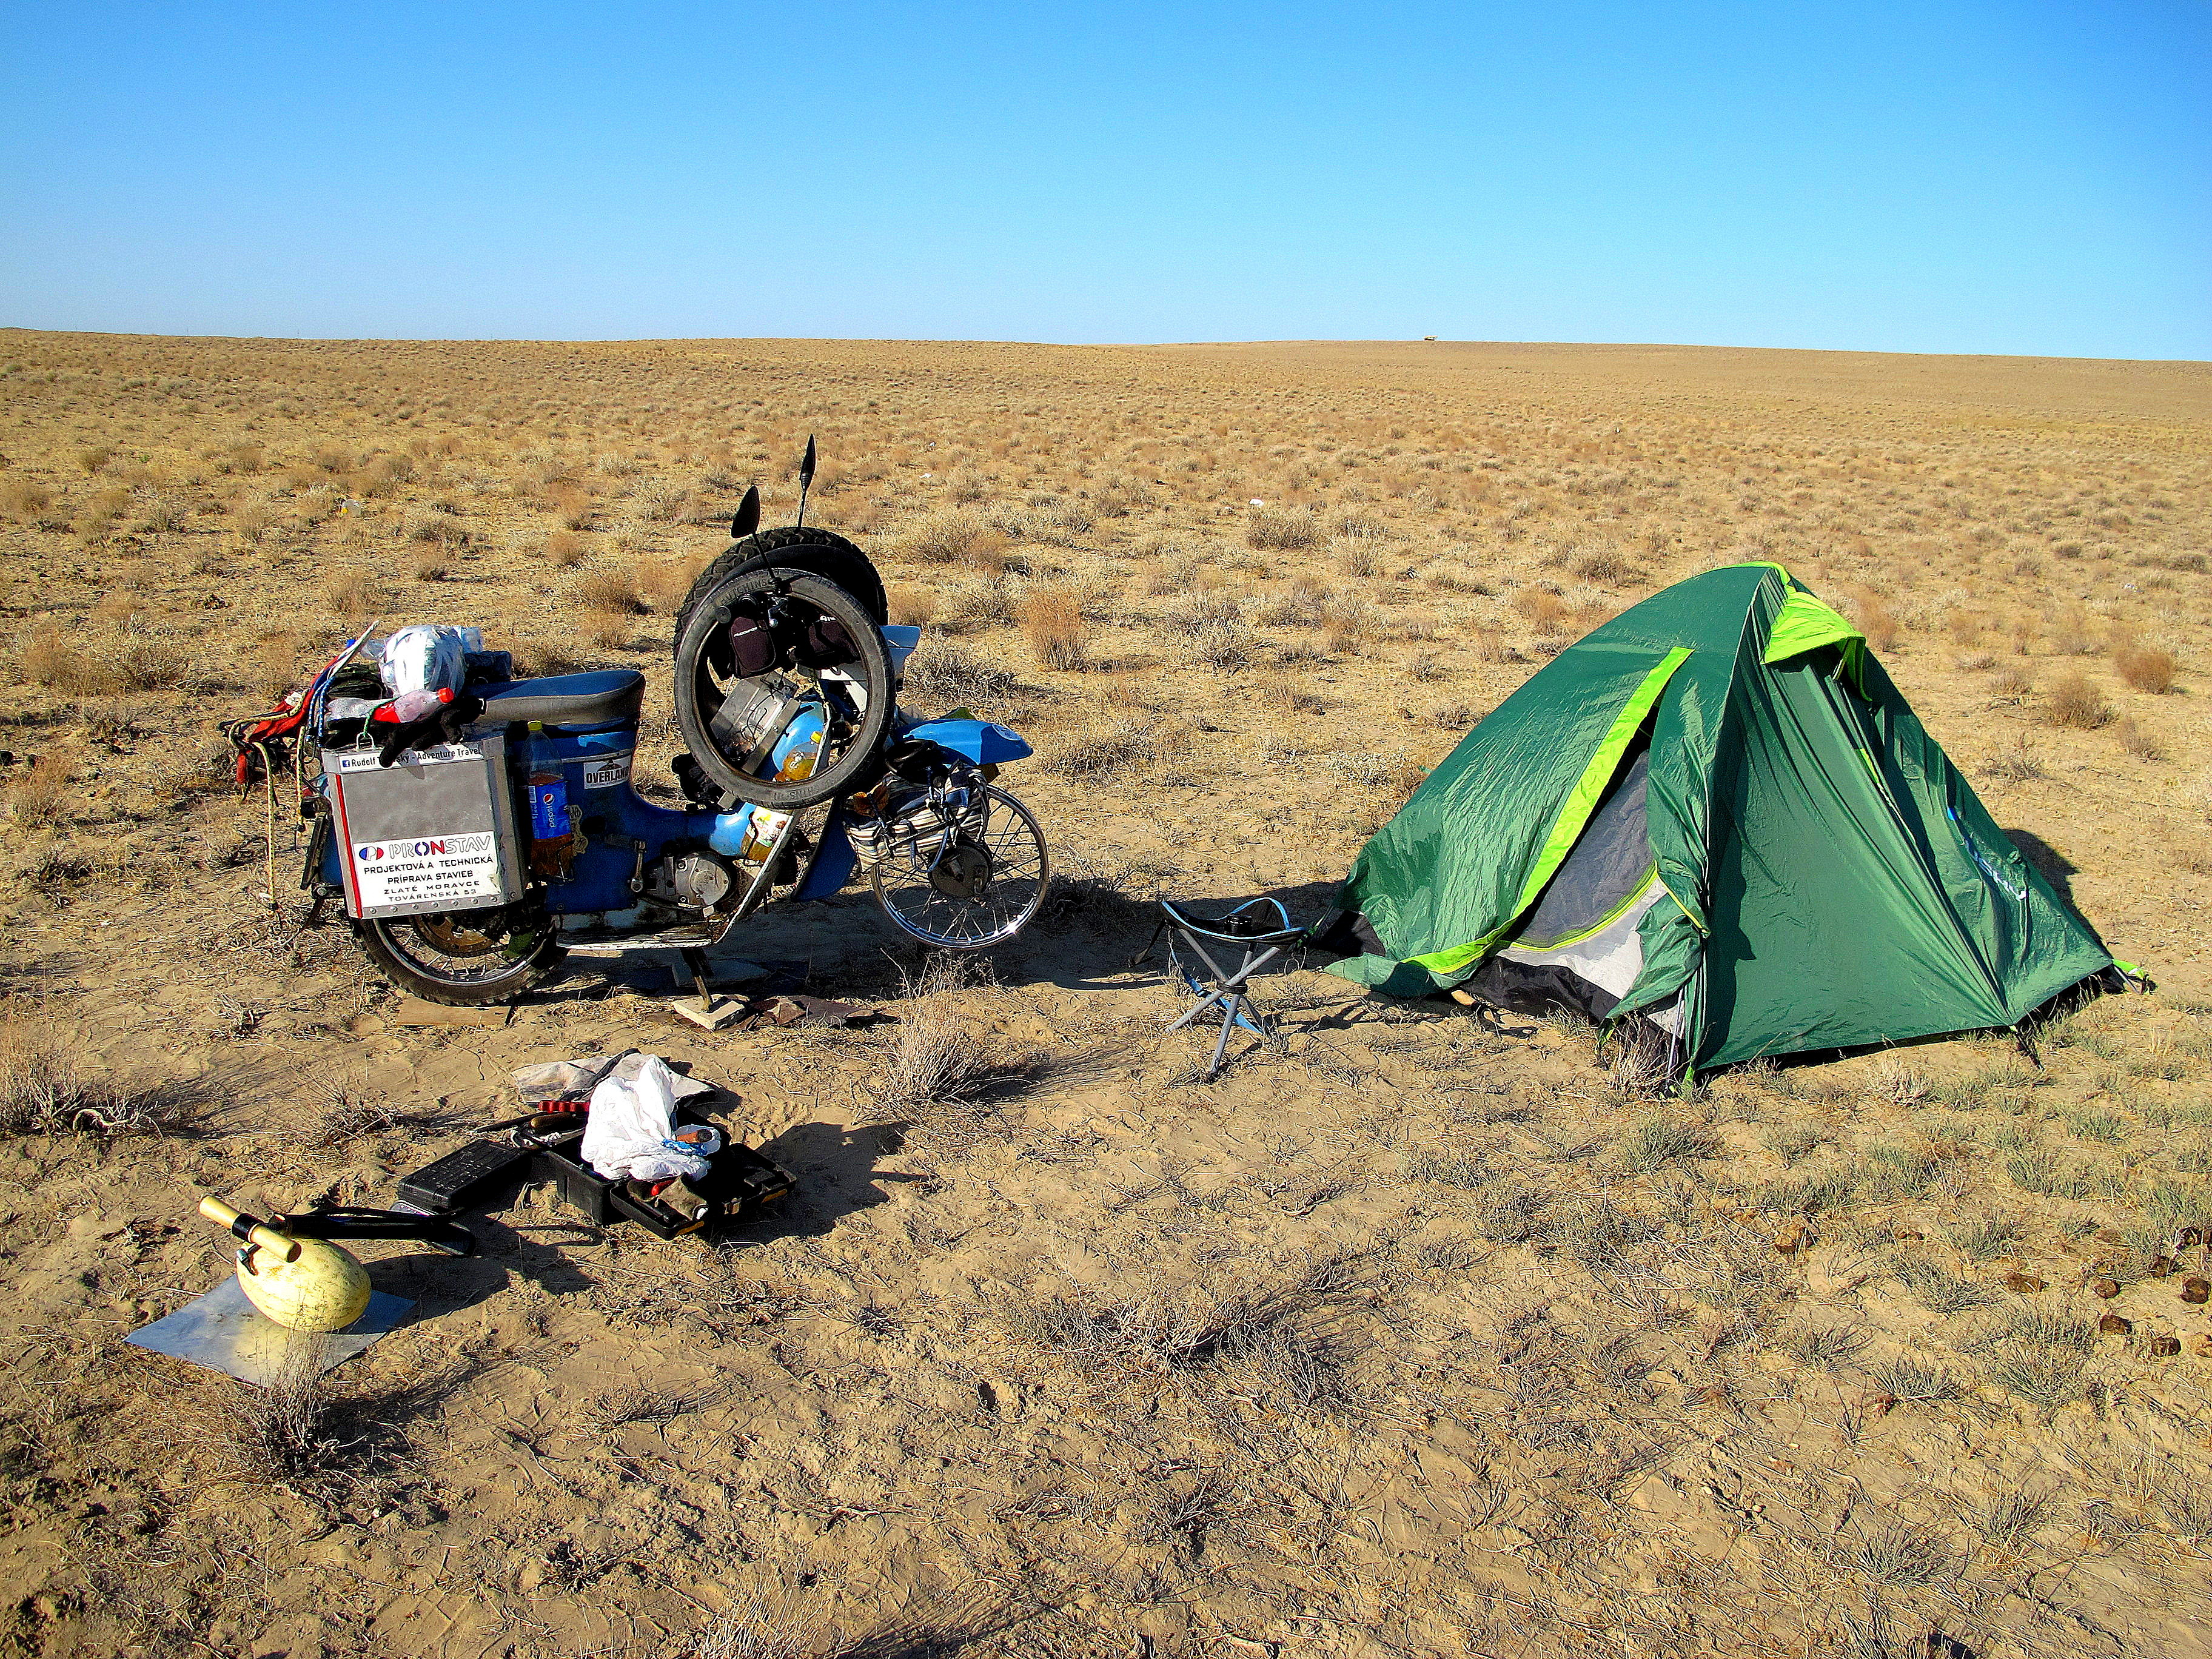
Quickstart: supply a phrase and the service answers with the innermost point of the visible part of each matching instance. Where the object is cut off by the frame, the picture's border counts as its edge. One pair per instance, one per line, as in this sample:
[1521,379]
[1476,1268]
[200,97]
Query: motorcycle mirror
[805,476]
[746,519]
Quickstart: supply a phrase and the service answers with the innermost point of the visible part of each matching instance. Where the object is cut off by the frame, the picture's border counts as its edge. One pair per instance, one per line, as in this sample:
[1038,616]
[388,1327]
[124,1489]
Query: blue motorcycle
[476,843]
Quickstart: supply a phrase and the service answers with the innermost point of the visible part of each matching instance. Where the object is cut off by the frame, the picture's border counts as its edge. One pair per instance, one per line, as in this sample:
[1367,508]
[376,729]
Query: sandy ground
[1412,1334]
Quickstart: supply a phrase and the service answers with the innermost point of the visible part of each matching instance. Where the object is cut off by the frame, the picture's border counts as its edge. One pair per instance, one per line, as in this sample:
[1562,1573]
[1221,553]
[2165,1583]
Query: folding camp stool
[1262,937]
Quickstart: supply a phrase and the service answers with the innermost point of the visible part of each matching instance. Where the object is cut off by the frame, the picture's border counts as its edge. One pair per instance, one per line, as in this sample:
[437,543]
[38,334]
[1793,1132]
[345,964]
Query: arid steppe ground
[1412,1336]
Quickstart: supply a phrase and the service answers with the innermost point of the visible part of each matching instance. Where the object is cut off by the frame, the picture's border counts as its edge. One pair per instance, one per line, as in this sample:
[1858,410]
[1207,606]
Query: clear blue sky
[1934,175]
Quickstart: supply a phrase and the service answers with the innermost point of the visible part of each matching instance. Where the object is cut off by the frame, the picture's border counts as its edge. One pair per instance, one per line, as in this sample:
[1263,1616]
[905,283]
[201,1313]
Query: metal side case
[435,832]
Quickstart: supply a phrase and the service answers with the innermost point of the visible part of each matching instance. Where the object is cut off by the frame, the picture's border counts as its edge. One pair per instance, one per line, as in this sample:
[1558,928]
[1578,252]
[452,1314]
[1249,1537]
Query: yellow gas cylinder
[301,1284]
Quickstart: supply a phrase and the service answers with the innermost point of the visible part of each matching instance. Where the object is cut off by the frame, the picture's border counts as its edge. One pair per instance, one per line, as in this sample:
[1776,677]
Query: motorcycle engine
[699,880]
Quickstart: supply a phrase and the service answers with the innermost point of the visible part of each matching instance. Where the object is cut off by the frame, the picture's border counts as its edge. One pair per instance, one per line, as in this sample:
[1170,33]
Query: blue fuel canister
[549,807]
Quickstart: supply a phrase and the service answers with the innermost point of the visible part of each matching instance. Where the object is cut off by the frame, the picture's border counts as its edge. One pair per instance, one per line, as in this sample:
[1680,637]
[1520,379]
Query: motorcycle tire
[795,547]
[707,614]
[462,958]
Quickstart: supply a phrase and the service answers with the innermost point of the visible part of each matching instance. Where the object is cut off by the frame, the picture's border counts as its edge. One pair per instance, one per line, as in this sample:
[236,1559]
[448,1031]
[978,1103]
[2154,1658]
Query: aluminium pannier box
[435,832]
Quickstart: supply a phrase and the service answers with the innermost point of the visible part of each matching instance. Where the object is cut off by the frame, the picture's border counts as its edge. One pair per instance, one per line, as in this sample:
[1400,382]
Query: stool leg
[1228,1025]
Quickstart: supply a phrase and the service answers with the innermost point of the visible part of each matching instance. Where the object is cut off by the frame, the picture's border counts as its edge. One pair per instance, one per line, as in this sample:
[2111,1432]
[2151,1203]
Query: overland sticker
[606,773]
[430,869]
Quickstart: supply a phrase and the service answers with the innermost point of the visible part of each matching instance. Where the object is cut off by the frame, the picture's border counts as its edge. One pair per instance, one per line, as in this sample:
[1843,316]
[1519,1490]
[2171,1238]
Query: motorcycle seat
[597,698]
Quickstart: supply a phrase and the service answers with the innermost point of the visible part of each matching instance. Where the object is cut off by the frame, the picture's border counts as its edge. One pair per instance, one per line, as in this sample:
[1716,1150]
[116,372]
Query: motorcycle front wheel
[980,886]
[463,958]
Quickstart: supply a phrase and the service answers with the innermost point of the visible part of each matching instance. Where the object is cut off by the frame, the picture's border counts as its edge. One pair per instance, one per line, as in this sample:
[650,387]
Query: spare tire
[795,547]
[703,684]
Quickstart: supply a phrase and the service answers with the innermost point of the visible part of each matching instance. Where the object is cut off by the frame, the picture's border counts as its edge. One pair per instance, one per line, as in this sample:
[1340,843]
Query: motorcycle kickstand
[711,1011]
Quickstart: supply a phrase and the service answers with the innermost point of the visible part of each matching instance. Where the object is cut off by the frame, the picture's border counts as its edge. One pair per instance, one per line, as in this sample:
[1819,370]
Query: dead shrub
[1108,748]
[39,793]
[1119,496]
[1283,529]
[24,498]
[943,1070]
[2079,702]
[1608,565]
[353,596]
[1875,620]
[2145,668]
[912,607]
[2139,742]
[1199,612]
[430,568]
[608,592]
[1545,611]
[663,503]
[2011,681]
[948,674]
[1052,622]
[251,520]
[573,509]
[664,584]
[45,660]
[953,535]
[42,1092]
[1225,648]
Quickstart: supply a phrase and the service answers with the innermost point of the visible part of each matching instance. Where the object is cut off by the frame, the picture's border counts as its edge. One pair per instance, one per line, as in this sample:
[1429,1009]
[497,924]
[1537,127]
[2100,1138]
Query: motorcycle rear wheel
[463,958]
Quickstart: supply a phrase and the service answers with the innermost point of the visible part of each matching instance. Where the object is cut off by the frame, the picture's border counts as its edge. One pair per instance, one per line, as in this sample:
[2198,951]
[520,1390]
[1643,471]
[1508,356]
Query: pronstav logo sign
[425,869]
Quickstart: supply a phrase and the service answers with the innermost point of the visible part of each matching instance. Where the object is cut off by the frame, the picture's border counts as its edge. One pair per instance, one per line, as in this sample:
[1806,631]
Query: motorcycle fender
[986,742]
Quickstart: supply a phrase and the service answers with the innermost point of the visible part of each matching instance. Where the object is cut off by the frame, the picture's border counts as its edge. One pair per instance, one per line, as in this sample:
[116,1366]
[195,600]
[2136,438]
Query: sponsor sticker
[365,759]
[607,773]
[425,869]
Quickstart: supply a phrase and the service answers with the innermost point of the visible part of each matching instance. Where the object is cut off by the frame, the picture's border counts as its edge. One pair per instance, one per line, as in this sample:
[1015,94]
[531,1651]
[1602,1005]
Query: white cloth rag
[632,1129]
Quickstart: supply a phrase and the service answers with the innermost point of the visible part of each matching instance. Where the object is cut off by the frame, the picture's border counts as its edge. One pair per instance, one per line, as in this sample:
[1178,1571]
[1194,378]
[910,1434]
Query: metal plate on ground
[225,1332]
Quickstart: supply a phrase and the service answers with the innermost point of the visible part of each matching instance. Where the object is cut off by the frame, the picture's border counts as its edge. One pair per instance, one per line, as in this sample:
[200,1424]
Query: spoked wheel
[761,647]
[463,957]
[973,888]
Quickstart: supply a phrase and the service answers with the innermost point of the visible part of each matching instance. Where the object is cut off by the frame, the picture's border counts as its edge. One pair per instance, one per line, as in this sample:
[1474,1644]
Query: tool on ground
[1262,936]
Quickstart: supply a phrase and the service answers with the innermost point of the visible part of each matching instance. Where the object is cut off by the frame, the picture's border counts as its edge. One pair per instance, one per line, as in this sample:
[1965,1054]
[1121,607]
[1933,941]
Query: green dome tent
[1715,811]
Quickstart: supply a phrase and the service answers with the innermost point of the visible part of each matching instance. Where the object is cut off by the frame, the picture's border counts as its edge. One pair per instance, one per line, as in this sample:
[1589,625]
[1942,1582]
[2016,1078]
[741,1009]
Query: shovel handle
[222,1215]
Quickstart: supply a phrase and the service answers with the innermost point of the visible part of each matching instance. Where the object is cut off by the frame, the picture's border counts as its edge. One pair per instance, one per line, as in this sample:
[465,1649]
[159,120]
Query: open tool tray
[738,1187]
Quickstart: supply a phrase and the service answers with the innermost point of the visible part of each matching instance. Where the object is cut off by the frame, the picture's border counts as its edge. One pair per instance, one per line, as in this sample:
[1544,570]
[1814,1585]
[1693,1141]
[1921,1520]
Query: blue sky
[2012,177]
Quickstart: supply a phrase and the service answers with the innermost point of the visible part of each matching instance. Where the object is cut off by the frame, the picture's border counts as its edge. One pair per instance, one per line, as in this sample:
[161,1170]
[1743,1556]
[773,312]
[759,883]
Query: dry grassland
[1410,1335]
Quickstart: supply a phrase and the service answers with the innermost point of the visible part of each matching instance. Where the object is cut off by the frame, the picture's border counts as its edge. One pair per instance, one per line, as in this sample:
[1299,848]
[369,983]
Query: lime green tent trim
[1567,828]
[1805,624]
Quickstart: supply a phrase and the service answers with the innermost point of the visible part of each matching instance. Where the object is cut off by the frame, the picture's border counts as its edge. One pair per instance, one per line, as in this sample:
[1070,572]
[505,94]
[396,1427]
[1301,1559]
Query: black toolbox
[740,1184]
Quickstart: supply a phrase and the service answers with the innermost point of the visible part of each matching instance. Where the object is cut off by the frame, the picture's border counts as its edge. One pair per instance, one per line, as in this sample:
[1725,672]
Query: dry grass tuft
[1113,746]
[608,592]
[953,535]
[565,549]
[42,1092]
[353,596]
[957,678]
[24,498]
[1052,622]
[2145,668]
[1280,529]
[38,795]
[2079,702]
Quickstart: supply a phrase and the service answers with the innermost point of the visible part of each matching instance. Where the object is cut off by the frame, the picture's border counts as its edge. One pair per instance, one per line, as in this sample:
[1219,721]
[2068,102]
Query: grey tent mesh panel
[1608,866]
